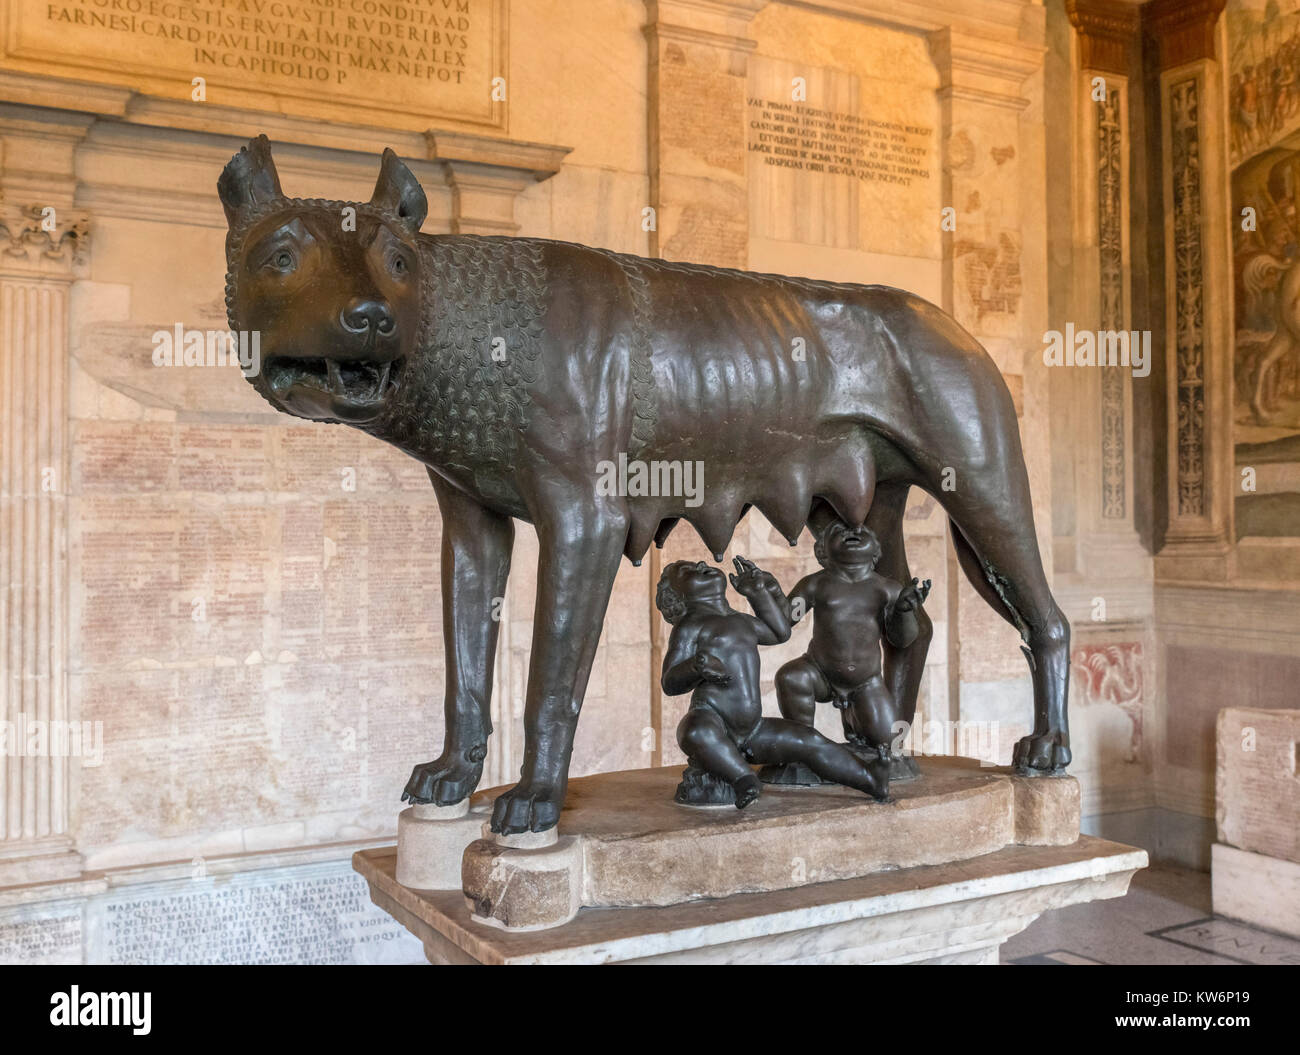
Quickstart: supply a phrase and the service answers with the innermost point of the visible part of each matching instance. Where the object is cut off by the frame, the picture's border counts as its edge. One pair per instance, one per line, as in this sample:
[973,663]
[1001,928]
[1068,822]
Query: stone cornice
[660,31]
[727,17]
[95,100]
[1108,30]
[712,23]
[532,161]
[983,71]
[1183,29]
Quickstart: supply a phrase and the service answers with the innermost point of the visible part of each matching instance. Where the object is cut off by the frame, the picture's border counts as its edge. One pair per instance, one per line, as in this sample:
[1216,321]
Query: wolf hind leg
[997,549]
[904,667]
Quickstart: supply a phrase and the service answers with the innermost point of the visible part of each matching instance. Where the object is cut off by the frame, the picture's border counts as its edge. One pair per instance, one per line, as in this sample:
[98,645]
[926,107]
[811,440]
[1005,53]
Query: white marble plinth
[1256,889]
[959,912]
[624,843]
[431,840]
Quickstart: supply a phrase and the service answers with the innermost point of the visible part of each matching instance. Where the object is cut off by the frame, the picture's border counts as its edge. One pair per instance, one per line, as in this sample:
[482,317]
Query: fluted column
[41,250]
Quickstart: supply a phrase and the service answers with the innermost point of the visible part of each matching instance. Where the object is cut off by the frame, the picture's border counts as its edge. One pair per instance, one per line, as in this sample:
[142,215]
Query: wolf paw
[446,780]
[1040,754]
[529,806]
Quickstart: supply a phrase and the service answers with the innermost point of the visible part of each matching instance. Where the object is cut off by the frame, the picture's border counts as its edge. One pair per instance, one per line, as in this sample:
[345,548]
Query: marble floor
[1164,919]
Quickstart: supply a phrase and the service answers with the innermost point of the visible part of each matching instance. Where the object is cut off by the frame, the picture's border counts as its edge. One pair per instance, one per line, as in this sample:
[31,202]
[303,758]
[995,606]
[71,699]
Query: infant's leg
[781,740]
[799,685]
[704,738]
[871,714]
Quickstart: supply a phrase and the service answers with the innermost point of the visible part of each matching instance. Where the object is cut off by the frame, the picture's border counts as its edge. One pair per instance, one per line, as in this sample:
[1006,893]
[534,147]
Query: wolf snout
[367,315]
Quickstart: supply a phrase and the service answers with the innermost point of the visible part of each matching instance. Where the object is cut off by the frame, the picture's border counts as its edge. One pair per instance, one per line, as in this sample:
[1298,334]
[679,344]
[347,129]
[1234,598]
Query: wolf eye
[281,260]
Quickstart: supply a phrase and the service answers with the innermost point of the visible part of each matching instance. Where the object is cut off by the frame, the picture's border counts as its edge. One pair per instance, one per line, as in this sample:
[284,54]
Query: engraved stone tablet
[389,63]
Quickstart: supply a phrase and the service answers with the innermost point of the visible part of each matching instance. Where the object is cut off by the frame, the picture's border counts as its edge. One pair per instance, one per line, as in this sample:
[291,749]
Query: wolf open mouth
[358,380]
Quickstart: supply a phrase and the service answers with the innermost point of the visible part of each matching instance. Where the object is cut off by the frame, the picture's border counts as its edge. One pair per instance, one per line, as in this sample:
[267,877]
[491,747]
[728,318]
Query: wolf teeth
[358,379]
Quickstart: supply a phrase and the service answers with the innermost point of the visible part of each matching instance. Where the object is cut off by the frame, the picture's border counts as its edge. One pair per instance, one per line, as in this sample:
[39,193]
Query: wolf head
[332,288]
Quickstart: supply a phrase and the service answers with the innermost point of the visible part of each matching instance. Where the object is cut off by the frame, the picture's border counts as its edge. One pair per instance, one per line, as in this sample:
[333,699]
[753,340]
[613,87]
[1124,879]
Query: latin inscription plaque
[392,63]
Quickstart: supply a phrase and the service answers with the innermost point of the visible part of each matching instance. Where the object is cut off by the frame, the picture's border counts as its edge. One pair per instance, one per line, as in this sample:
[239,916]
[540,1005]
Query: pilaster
[1198,290]
[43,249]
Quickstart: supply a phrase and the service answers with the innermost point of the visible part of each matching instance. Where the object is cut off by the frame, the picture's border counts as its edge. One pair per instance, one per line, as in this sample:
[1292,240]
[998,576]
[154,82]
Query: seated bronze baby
[713,655]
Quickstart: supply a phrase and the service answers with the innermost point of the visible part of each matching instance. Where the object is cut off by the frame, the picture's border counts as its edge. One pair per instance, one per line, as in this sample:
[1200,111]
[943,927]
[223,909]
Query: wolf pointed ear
[400,192]
[248,178]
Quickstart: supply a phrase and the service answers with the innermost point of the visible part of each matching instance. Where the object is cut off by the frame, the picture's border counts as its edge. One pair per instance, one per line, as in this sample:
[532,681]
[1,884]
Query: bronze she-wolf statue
[513,368]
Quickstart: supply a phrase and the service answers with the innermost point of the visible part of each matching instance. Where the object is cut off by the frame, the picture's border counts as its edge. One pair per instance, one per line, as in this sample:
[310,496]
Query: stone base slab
[48,860]
[959,912]
[1256,889]
[627,843]
[624,842]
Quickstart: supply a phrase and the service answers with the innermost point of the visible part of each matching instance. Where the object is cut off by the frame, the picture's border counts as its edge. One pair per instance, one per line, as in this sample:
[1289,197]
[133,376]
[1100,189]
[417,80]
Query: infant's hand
[912,596]
[710,668]
[750,580]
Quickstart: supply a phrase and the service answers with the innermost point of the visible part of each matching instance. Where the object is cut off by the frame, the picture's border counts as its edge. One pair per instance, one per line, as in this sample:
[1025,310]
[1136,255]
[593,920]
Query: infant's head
[684,581]
[842,545]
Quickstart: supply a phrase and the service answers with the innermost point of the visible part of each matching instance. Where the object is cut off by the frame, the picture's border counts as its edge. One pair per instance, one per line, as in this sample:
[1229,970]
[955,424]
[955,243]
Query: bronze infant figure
[713,654]
[855,609]
[513,368]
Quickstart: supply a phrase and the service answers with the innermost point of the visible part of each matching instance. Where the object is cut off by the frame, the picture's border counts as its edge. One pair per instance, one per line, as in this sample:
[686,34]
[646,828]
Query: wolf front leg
[581,542]
[476,544]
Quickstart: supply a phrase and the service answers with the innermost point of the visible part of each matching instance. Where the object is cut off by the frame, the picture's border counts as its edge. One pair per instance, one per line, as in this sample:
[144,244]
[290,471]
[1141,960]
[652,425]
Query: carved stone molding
[714,23]
[43,240]
[1108,31]
[486,175]
[1189,308]
[1184,30]
[532,161]
[1110,248]
[981,70]
[1199,543]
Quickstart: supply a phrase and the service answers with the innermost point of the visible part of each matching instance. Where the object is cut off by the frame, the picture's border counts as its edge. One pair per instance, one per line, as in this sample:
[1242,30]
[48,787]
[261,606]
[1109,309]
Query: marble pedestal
[961,859]
[960,912]
[1256,889]
[1255,863]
